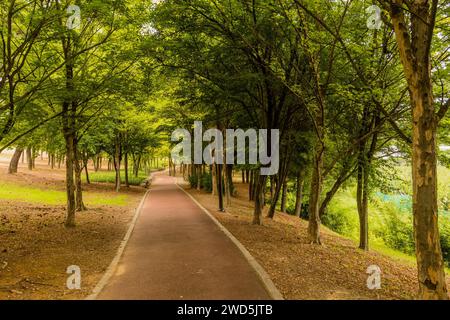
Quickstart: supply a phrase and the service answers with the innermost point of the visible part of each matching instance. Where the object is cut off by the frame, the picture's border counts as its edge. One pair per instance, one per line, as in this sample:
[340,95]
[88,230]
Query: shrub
[206,181]
[341,222]
[304,214]
[290,202]
[342,215]
[110,177]
[389,221]
[444,223]
[193,180]
[395,228]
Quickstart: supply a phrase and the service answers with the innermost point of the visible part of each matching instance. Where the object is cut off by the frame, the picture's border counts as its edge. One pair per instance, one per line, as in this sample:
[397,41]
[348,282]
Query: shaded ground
[336,270]
[36,248]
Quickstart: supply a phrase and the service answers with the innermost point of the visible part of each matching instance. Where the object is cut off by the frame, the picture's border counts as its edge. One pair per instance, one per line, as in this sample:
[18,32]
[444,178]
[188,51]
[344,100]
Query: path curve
[176,252]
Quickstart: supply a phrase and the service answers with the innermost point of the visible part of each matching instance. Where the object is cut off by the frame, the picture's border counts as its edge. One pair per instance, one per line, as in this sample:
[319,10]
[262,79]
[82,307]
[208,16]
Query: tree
[414,23]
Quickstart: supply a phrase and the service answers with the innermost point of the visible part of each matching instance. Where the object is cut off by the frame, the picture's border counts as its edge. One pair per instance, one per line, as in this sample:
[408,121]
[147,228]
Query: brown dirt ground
[36,248]
[333,271]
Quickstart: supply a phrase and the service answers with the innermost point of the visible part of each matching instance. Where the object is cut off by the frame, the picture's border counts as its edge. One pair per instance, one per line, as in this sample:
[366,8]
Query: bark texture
[414,42]
[14,163]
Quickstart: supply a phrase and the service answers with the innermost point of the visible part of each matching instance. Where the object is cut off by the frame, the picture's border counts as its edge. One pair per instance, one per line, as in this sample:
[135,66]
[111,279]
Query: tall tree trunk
[214,179]
[272,184]
[255,182]
[78,186]
[69,114]
[362,207]
[33,158]
[220,186]
[364,243]
[29,158]
[199,177]
[362,180]
[284,196]
[299,193]
[85,162]
[127,183]
[344,175]
[259,199]
[314,197]
[319,122]
[414,44]
[146,166]
[70,185]
[226,184]
[364,166]
[250,186]
[14,163]
[52,161]
[117,164]
[96,162]
[229,174]
[425,201]
[276,194]
[136,166]
[86,171]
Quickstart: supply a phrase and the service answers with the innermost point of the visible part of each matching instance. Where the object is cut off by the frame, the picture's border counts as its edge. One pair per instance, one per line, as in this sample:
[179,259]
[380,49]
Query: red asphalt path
[177,252]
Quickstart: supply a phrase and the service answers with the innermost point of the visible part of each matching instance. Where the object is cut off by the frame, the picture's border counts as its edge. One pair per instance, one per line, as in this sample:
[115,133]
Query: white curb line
[262,274]
[113,265]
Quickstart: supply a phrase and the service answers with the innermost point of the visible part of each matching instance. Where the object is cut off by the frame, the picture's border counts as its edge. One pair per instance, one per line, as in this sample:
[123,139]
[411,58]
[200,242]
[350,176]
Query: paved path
[177,252]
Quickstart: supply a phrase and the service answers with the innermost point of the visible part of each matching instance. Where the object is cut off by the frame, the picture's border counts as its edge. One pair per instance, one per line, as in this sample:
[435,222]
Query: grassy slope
[336,270]
[33,194]
[345,203]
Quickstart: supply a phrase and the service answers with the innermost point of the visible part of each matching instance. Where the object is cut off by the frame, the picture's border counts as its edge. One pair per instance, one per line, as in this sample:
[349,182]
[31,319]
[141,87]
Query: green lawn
[13,192]
[405,184]
[110,176]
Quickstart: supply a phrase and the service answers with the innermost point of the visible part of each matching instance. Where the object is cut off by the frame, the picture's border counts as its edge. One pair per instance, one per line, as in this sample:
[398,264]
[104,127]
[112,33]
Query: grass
[14,192]
[110,177]
[25,193]
[344,216]
[345,201]
[443,177]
